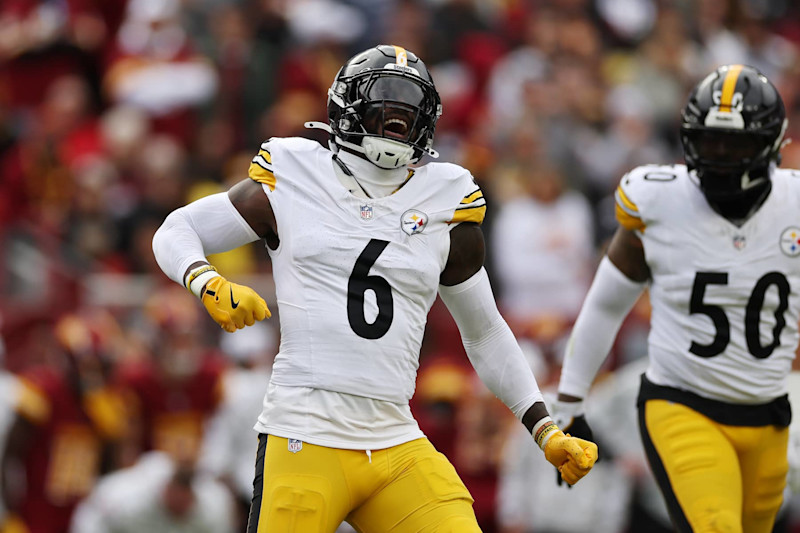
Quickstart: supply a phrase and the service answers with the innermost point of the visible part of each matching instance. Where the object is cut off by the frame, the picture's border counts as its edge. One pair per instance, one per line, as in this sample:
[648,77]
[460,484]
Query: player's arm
[496,356]
[214,224]
[618,283]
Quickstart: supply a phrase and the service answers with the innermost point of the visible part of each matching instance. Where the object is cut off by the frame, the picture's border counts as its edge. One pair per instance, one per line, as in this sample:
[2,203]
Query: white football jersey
[725,298]
[356,278]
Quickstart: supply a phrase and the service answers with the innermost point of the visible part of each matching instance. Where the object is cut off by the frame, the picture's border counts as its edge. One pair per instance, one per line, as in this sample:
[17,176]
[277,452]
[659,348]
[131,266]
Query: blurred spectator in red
[42,40]
[154,67]
[159,184]
[172,391]
[68,421]
[36,172]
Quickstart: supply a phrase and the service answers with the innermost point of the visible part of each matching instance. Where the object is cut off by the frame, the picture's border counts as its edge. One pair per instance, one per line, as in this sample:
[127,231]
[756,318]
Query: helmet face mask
[384,94]
[732,131]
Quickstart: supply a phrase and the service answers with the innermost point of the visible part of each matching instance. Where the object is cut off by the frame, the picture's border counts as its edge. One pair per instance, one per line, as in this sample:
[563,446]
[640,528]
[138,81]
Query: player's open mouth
[395,127]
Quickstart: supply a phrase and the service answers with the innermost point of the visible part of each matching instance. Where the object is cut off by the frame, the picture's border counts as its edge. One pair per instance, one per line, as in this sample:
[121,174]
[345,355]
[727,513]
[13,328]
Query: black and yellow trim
[471,209]
[777,412]
[261,169]
[676,514]
[627,212]
[258,486]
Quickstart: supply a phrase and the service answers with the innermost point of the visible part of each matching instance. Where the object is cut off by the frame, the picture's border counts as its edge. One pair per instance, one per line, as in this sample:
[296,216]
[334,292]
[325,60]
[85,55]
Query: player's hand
[573,457]
[233,306]
[570,418]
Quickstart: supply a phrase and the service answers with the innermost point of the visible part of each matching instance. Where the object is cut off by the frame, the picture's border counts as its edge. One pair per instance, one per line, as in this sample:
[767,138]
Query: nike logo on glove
[234,304]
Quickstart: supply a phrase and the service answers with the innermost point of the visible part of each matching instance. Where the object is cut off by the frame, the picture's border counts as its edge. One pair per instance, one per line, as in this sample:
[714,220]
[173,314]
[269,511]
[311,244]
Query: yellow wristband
[196,272]
[543,430]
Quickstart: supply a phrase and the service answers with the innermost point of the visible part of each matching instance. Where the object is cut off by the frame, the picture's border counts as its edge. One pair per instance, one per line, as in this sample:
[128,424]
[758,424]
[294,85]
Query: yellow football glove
[573,457]
[231,305]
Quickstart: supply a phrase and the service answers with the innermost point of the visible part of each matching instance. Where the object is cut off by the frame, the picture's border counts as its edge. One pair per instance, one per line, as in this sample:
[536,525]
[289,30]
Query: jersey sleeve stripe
[477,203]
[469,214]
[471,197]
[262,175]
[265,162]
[627,220]
[625,203]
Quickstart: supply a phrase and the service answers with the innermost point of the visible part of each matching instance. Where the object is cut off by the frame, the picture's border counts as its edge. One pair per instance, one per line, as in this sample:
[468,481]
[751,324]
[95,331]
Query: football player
[360,245]
[717,242]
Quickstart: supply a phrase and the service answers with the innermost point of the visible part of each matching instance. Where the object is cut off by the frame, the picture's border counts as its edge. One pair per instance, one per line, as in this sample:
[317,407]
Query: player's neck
[372,181]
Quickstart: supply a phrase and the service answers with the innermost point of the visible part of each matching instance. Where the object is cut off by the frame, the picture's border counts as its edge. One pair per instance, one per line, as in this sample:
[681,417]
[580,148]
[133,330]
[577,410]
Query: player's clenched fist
[231,305]
[573,457]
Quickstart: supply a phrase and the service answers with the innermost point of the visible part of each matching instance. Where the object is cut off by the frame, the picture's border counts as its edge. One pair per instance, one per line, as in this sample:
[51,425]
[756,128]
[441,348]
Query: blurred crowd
[123,408]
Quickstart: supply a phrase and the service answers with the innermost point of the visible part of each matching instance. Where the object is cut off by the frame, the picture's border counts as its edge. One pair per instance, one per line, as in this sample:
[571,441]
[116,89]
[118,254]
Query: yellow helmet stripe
[728,87]
[401,58]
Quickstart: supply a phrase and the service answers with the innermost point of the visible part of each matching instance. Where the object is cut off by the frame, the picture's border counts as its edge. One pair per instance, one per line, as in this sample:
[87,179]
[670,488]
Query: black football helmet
[383,104]
[732,129]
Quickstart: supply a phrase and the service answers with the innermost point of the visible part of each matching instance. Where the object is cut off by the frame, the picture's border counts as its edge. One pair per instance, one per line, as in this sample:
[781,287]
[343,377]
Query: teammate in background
[718,243]
[360,243]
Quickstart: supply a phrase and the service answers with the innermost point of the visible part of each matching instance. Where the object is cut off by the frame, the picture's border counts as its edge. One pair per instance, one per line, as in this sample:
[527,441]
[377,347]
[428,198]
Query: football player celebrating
[360,244]
[717,242]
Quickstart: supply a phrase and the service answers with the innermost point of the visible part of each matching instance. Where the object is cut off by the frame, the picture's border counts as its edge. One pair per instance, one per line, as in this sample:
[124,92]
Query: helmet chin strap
[387,154]
[383,153]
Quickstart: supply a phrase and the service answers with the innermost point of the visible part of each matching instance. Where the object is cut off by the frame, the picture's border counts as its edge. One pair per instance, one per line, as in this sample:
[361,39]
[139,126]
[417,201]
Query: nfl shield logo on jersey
[413,221]
[790,241]
[295,445]
[366,212]
[739,241]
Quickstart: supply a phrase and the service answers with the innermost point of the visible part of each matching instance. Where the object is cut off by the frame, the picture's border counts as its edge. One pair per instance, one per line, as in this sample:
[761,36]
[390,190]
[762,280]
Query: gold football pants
[406,488]
[715,477]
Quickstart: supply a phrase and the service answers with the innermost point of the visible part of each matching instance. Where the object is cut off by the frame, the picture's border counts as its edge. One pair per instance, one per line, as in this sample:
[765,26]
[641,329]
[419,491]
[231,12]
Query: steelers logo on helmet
[383,104]
[732,130]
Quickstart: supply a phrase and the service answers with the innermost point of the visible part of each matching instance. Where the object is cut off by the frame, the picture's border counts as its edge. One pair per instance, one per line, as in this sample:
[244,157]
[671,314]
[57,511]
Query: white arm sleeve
[607,303]
[209,225]
[489,343]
